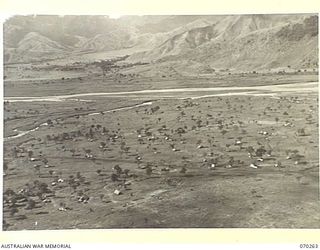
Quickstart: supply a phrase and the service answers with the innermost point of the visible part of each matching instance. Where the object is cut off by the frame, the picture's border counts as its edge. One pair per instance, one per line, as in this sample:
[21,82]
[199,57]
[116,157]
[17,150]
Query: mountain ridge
[235,42]
[247,42]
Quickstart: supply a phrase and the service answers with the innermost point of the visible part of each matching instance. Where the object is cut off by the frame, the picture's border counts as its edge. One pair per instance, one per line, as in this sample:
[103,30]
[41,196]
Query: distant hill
[61,33]
[34,46]
[200,43]
[244,43]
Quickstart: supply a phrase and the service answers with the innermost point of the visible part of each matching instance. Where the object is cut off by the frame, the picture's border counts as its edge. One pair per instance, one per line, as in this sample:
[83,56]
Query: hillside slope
[202,43]
[34,46]
[244,42]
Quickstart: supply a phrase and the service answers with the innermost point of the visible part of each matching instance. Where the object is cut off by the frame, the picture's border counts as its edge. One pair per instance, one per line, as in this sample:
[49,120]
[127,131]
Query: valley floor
[162,161]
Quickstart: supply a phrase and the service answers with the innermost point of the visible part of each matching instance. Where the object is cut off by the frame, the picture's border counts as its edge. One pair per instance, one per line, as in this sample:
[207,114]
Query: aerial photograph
[160,121]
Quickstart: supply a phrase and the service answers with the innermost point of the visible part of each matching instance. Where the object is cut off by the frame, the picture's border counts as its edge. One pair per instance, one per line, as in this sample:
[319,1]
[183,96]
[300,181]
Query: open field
[220,157]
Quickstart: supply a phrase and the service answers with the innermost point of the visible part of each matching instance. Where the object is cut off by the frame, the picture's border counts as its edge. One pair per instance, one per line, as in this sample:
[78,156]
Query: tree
[30,204]
[72,151]
[37,168]
[260,151]
[183,170]
[117,169]
[114,177]
[148,170]
[15,152]
[223,132]
[30,153]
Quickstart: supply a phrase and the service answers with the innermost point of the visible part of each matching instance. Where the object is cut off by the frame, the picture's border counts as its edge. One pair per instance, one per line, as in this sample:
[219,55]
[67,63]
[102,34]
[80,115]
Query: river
[183,92]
